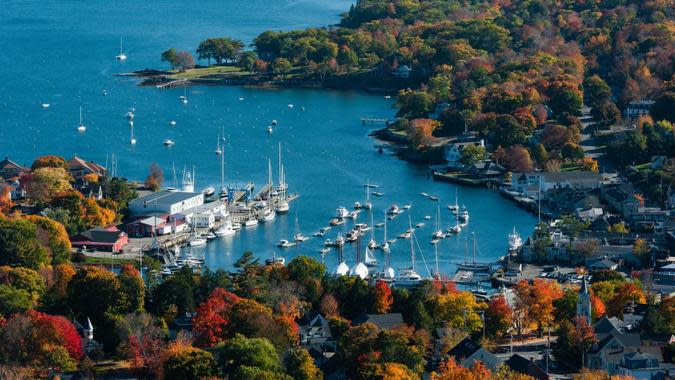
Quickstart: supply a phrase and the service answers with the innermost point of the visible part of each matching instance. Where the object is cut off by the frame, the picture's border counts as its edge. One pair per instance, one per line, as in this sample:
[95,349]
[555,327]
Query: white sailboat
[455,207]
[342,268]
[298,237]
[132,140]
[367,204]
[183,98]
[121,56]
[408,277]
[275,259]
[438,233]
[269,214]
[464,214]
[372,244]
[282,205]
[81,128]
[360,269]
[369,259]
[385,244]
[218,150]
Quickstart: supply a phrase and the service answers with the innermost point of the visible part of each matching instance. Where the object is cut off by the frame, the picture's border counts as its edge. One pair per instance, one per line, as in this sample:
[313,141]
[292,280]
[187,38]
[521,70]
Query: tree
[49,162]
[19,245]
[247,61]
[241,352]
[47,183]
[540,154]
[420,132]
[498,316]
[184,61]
[141,340]
[517,159]
[20,289]
[589,164]
[170,56]
[440,86]
[281,66]
[132,288]
[187,363]
[573,342]
[664,107]
[212,319]
[565,98]
[53,236]
[451,370]
[382,298]
[5,199]
[414,104]
[507,131]
[606,113]
[206,50]
[596,91]
[623,294]
[456,309]
[329,305]
[537,300]
[472,154]
[155,178]
[300,365]
[303,269]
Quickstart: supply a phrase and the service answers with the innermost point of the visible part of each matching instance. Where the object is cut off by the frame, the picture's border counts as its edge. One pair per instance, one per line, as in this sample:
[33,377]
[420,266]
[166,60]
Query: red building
[108,239]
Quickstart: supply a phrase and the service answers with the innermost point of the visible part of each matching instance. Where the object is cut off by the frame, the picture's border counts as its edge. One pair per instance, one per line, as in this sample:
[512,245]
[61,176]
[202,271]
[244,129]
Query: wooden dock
[374,120]
[173,83]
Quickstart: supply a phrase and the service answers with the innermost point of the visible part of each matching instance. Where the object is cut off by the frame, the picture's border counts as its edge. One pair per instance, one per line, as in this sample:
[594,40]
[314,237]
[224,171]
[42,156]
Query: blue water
[62,53]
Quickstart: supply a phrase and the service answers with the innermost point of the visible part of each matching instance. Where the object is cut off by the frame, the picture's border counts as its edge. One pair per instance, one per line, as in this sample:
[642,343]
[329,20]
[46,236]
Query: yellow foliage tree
[47,183]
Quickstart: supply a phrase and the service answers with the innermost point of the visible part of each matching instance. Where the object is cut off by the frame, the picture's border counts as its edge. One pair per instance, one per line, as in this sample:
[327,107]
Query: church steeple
[584,302]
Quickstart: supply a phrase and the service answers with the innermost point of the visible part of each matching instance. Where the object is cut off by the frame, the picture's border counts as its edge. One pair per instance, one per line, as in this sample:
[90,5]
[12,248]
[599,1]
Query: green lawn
[211,71]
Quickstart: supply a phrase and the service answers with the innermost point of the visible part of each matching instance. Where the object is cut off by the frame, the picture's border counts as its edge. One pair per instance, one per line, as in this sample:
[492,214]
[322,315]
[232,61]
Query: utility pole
[548,347]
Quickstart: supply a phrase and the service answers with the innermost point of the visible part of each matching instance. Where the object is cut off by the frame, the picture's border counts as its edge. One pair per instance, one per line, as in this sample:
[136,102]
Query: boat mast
[385,228]
[473,234]
[372,226]
[412,247]
[438,274]
[222,170]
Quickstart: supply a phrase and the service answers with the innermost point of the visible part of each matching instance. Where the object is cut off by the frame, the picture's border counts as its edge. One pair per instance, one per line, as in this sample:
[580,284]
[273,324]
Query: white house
[453,152]
[402,71]
[203,220]
[165,202]
[530,183]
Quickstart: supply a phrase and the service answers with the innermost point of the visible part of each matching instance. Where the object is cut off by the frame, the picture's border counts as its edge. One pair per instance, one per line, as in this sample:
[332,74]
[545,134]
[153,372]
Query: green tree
[414,104]
[281,66]
[241,352]
[247,61]
[596,91]
[19,245]
[664,107]
[540,154]
[472,154]
[300,366]
[170,56]
[132,288]
[440,86]
[95,293]
[304,268]
[189,363]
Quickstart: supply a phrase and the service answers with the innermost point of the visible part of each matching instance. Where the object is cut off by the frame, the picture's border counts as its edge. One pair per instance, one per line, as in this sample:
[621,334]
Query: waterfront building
[107,239]
[159,225]
[78,168]
[10,170]
[533,183]
[453,151]
[589,214]
[165,202]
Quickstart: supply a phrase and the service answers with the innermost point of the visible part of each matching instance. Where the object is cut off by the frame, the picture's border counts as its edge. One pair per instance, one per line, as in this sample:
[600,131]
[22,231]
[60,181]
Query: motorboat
[172,123]
[433,198]
[129,115]
[197,241]
[269,129]
[236,226]
[405,235]
[394,210]
[45,105]
[324,251]
[341,212]
[353,215]
[290,106]
[318,233]
[434,241]
[210,236]
[419,225]
[268,216]
[299,237]
[515,242]
[168,142]
[274,122]
[377,194]
[283,243]
[225,230]
[424,195]
[407,207]
[357,205]
[251,222]
[463,214]
[336,222]
[283,207]
[209,191]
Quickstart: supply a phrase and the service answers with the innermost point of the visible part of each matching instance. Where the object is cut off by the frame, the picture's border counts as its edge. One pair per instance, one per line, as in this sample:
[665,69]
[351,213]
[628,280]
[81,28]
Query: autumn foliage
[451,370]
[382,298]
[536,300]
[213,317]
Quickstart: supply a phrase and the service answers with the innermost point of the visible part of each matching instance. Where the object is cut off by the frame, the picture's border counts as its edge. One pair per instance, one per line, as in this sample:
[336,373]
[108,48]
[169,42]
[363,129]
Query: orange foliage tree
[451,370]
[517,159]
[420,131]
[382,298]
[624,293]
[589,164]
[498,316]
[5,199]
[536,300]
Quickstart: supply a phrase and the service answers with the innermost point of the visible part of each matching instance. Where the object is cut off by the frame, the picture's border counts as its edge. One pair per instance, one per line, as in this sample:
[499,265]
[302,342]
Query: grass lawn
[229,71]
[107,260]
[570,168]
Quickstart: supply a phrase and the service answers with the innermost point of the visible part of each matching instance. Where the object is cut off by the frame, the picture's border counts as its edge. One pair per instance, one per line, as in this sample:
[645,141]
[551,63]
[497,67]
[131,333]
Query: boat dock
[173,83]
[374,120]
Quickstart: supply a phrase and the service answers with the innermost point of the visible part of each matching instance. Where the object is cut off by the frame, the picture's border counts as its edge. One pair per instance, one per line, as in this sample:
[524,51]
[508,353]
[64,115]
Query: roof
[153,221]
[572,176]
[89,165]
[383,321]
[106,235]
[165,197]
[523,365]
[9,163]
[604,264]
[464,349]
[467,348]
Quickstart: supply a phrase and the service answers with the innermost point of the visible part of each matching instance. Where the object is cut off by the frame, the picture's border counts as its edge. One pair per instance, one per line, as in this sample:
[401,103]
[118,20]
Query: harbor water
[63,53]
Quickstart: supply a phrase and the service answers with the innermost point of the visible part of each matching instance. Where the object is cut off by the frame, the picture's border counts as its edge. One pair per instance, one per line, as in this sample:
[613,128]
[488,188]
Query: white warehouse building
[165,202]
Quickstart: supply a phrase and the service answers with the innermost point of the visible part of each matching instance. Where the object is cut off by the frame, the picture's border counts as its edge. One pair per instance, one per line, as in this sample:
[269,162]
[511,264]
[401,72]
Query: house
[648,216]
[604,264]
[205,215]
[79,168]
[527,367]
[589,214]
[666,273]
[165,202]
[453,151]
[161,225]
[637,108]
[644,365]
[621,198]
[314,329]
[467,352]
[532,183]
[108,239]
[486,169]
[10,170]
[16,189]
[402,71]
[382,321]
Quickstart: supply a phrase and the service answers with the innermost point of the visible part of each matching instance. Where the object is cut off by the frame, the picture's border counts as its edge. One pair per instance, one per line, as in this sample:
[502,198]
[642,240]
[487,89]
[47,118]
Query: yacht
[283,243]
[385,243]
[455,207]
[225,230]
[251,222]
[197,241]
[275,259]
[464,214]
[438,232]
[474,266]
[408,277]
[341,212]
[282,203]
[81,128]
[168,142]
[210,236]
[268,216]
[367,204]
[299,237]
[515,242]
[121,56]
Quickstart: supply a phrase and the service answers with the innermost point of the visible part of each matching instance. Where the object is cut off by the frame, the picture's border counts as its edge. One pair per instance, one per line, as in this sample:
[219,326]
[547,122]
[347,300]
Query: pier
[172,83]
[374,120]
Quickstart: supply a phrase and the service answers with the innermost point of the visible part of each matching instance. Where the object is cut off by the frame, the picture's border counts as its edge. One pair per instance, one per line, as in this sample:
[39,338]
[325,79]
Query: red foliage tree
[517,159]
[213,317]
[499,316]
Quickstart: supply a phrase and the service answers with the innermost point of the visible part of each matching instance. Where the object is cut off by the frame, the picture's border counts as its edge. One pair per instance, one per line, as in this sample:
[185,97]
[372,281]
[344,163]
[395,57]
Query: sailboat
[275,259]
[385,244]
[372,244]
[298,237]
[282,205]
[370,259]
[81,128]
[121,56]
[183,98]
[360,269]
[269,214]
[437,275]
[457,228]
[408,277]
[464,214]
[132,140]
[218,150]
[367,204]
[454,208]
[474,266]
[223,190]
[342,268]
[438,233]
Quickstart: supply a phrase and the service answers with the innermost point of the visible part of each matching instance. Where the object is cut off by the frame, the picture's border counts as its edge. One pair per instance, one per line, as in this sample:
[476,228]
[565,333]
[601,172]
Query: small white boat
[197,241]
[515,241]
[370,259]
[121,56]
[434,241]
[225,230]
[251,222]
[45,105]
[299,237]
[357,205]
[129,115]
[387,96]
[236,226]
[419,225]
[210,236]
[427,217]
[464,214]
[438,235]
[274,122]
[405,235]
[341,212]
[424,194]
[283,243]
[290,106]
[372,244]
[377,194]
[268,216]
[269,129]
[241,98]
[407,207]
[172,123]
[283,207]
[104,93]
[275,260]
[353,215]
[183,98]
[323,251]
[168,142]
[393,210]
[336,222]
[433,198]
[391,241]
[318,234]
